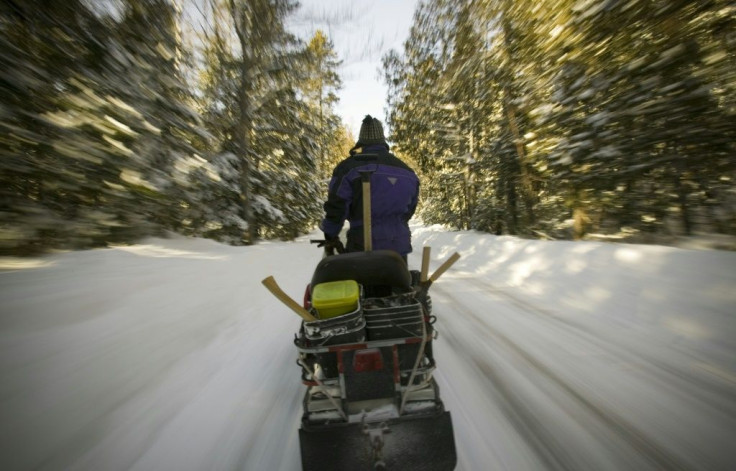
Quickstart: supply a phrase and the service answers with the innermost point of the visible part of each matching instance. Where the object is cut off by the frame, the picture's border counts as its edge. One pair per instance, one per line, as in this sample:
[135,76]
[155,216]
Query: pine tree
[422,128]
[255,100]
[150,32]
[609,115]
[320,86]
[62,137]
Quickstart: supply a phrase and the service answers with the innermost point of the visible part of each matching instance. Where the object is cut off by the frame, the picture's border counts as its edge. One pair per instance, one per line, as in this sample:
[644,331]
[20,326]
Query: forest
[565,119]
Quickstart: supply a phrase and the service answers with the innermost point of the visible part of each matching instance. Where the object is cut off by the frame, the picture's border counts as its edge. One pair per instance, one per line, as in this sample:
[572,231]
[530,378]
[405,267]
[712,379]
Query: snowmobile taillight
[367,360]
[308,297]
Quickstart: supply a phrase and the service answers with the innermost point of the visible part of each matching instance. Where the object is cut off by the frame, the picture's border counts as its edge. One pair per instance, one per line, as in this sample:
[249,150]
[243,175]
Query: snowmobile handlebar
[330,246]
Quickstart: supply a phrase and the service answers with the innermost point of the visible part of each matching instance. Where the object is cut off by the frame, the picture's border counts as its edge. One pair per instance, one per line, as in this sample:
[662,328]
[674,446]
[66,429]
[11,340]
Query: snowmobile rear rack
[373,403]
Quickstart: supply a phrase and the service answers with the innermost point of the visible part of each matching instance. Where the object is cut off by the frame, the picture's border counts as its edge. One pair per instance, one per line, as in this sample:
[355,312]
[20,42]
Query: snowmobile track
[706,390]
[544,443]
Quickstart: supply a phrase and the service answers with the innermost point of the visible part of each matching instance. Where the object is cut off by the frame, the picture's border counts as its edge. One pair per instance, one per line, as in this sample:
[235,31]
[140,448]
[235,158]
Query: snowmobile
[365,353]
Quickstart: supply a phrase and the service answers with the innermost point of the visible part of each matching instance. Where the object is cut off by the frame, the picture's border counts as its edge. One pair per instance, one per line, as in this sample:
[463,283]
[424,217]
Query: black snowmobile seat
[370,269]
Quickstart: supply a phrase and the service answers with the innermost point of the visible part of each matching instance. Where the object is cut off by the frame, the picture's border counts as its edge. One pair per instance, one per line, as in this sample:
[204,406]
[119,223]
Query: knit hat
[371,132]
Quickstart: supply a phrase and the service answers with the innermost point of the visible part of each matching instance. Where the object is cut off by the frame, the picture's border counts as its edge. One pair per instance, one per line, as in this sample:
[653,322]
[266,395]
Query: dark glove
[332,244]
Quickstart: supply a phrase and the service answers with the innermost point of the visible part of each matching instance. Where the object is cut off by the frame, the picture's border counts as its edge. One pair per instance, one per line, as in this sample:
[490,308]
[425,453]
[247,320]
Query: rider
[394,195]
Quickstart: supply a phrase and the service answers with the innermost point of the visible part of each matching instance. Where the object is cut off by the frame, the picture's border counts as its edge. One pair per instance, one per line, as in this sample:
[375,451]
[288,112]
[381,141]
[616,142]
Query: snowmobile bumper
[409,443]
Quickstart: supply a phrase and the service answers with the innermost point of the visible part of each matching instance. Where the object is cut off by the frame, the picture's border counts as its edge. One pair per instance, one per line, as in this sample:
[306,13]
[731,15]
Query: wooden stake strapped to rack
[270,283]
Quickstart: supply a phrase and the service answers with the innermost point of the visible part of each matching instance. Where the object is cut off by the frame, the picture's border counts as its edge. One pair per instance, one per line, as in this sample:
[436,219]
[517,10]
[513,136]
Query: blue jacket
[394,195]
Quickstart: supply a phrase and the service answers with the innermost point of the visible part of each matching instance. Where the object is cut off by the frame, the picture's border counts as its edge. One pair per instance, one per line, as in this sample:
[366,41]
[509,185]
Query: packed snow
[170,355]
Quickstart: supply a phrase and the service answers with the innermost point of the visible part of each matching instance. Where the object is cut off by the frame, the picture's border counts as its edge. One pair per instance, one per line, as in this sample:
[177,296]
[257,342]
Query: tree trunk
[243,142]
[681,191]
[242,133]
[527,190]
[580,222]
[512,217]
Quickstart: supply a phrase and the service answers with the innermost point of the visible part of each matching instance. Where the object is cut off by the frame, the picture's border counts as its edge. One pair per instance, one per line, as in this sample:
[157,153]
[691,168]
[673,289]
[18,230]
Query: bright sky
[362,32]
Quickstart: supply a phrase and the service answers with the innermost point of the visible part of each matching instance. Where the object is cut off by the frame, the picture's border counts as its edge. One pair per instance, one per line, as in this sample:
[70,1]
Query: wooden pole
[425,263]
[365,177]
[443,268]
[275,289]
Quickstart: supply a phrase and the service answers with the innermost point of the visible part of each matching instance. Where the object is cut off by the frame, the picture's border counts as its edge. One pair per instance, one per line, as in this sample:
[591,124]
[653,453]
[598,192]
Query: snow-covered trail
[161,356]
[540,391]
[170,356]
